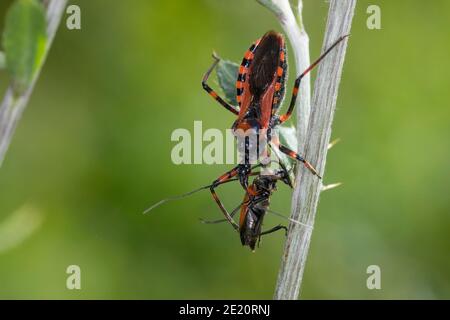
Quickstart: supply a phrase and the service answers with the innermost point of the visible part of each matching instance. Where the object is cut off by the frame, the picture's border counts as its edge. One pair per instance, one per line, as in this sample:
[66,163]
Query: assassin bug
[260,89]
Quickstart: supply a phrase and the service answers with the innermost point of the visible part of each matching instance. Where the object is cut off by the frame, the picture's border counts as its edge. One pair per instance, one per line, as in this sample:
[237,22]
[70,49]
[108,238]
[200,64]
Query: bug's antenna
[181,196]
[289,219]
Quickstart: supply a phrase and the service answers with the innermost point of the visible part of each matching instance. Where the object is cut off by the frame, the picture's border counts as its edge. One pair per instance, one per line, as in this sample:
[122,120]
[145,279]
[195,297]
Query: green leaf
[288,136]
[2,60]
[227,73]
[24,42]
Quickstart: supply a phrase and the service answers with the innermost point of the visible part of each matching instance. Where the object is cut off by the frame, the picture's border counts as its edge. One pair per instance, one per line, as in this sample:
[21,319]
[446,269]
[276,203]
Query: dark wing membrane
[267,75]
[261,79]
[265,63]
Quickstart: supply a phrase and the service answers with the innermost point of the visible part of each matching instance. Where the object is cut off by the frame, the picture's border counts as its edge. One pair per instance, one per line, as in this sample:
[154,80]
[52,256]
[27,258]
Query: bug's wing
[266,103]
[262,77]
[268,74]
[244,212]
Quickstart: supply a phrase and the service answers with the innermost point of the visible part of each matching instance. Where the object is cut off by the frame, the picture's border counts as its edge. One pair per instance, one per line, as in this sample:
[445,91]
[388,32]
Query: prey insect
[255,206]
[260,89]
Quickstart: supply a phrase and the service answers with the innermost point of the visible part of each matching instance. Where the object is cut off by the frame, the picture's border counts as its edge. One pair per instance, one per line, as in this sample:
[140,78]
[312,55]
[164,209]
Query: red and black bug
[260,90]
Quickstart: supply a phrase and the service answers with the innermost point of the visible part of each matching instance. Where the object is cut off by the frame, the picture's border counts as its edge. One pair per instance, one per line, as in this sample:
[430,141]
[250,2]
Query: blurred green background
[93,150]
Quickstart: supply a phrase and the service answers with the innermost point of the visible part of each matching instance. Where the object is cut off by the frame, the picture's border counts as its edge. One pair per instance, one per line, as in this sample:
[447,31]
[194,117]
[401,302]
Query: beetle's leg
[212,93]
[287,115]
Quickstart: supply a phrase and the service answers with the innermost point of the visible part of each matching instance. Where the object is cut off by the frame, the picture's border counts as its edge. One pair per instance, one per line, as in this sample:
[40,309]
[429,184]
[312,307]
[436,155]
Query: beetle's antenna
[178,197]
[289,219]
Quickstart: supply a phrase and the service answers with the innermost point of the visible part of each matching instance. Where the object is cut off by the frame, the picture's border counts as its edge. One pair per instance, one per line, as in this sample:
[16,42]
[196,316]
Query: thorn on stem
[331,186]
[333,143]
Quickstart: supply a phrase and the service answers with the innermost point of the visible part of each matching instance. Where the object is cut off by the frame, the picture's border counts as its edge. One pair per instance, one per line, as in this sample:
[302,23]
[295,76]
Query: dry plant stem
[13,106]
[306,197]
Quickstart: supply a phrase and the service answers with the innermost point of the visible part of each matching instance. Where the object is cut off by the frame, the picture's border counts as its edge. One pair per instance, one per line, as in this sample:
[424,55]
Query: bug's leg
[224,179]
[212,93]
[232,214]
[274,229]
[287,115]
[294,155]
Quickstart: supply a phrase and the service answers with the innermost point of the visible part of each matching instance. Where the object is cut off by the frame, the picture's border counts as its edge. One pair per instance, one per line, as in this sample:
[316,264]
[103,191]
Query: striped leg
[294,155]
[233,213]
[212,93]
[223,179]
[287,115]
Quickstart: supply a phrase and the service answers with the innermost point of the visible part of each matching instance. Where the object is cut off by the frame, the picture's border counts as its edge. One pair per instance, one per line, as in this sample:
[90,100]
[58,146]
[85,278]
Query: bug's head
[266,183]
